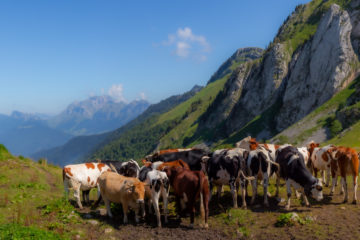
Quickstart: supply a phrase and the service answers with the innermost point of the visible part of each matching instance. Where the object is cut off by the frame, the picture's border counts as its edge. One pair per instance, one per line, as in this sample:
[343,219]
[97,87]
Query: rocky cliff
[314,56]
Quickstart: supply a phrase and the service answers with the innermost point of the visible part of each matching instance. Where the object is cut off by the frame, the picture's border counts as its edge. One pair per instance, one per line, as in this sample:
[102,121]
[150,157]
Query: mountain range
[304,86]
[25,133]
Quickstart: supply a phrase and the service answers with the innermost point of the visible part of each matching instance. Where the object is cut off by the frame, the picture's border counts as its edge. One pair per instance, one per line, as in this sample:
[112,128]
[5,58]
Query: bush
[335,127]
[16,231]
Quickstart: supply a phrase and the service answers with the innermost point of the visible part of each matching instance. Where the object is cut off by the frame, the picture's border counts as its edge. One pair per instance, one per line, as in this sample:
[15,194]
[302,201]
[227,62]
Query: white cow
[83,177]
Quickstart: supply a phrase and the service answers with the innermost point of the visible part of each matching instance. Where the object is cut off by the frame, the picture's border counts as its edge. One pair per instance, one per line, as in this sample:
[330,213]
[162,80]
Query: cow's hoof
[345,201]
[354,202]
[191,225]
[243,207]
[287,207]
[326,185]
[266,204]
[235,206]
[206,225]
[341,193]
[331,194]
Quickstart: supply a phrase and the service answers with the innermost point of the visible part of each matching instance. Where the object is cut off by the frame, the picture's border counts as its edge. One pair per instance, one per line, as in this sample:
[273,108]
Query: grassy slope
[189,112]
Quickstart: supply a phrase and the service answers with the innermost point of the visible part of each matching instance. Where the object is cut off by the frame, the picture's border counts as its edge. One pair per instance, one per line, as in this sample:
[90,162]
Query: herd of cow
[192,174]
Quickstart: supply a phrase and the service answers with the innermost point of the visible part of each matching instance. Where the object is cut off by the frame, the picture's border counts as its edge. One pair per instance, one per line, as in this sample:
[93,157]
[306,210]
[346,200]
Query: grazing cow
[82,177]
[127,169]
[293,170]
[192,156]
[345,161]
[158,183]
[128,191]
[320,161]
[227,166]
[188,187]
[259,163]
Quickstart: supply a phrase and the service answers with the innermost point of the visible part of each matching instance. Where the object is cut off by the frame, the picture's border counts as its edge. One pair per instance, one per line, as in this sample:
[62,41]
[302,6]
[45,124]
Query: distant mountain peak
[241,55]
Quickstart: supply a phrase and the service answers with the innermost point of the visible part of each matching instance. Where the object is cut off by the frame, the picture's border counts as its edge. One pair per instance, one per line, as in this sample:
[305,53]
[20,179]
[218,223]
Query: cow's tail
[204,195]
[241,173]
[201,183]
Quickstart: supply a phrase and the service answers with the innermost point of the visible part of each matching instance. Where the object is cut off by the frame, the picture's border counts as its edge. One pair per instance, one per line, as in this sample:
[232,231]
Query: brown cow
[345,161]
[188,187]
[128,191]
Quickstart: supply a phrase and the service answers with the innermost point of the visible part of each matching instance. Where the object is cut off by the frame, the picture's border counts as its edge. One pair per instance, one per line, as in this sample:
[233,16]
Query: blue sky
[57,52]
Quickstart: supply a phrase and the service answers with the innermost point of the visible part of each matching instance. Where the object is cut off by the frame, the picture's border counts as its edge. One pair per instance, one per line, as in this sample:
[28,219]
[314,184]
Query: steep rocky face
[261,88]
[320,69]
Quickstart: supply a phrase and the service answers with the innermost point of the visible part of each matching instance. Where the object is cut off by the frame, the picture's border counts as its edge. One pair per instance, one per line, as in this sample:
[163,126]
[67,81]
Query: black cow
[192,156]
[295,173]
[227,166]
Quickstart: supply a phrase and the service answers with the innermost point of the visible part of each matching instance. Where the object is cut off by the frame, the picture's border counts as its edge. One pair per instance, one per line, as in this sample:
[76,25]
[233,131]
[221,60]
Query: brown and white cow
[320,160]
[188,186]
[82,177]
[345,161]
[128,191]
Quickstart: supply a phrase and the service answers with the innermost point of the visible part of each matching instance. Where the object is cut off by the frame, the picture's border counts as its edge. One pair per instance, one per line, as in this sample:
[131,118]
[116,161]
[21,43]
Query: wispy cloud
[116,92]
[187,44]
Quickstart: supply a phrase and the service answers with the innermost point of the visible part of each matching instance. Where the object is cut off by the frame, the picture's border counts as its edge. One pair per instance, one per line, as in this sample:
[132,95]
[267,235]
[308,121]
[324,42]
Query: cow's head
[315,190]
[204,163]
[311,145]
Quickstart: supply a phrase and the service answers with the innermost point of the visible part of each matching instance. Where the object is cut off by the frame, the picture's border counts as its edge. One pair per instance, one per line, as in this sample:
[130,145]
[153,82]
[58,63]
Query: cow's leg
[76,186]
[343,181]
[265,186]
[233,192]
[243,193]
[155,200]
[125,211]
[254,190]
[150,203]
[211,186]
[306,201]
[108,208]
[327,177]
[277,185]
[165,197]
[333,184]
[192,212]
[355,178]
[323,177]
[137,214]
[219,190]
[288,190]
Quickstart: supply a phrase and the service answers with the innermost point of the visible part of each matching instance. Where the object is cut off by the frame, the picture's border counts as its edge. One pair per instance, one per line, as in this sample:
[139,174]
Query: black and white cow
[157,183]
[226,167]
[295,173]
[192,156]
[259,163]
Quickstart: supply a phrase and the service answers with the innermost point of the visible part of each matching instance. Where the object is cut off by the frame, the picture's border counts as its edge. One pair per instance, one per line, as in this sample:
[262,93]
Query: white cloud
[116,92]
[142,96]
[188,44]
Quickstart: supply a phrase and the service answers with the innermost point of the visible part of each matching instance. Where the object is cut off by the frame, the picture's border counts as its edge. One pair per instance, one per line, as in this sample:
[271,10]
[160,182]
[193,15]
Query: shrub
[285,219]
[335,127]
